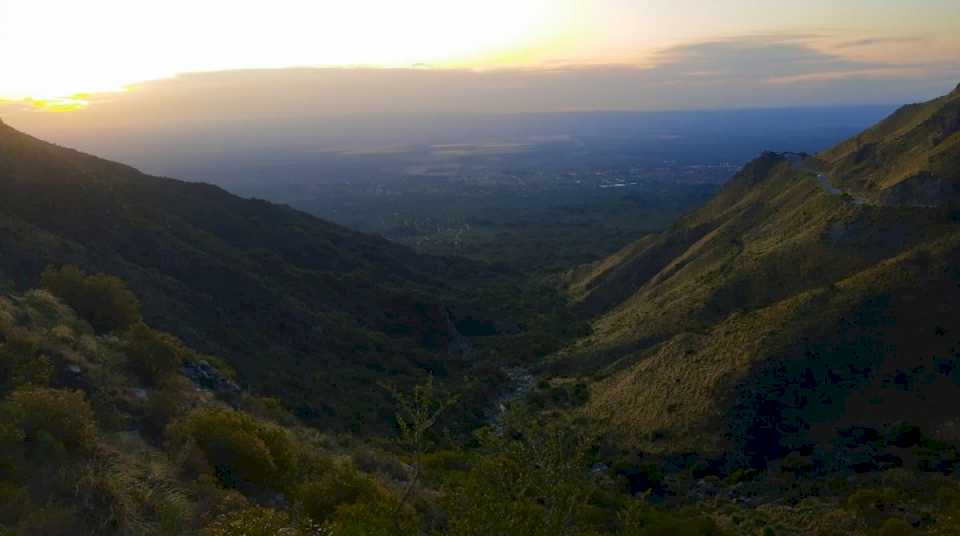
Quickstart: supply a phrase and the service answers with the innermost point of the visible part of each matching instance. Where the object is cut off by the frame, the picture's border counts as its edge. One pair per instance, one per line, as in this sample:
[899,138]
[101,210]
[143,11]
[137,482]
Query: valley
[460,268]
[535,347]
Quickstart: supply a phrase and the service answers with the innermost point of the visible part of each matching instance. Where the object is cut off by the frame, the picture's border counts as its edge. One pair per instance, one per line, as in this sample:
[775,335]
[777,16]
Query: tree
[417,413]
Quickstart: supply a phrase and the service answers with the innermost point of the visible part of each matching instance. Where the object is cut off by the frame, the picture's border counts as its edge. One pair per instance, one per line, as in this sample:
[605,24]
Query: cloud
[750,71]
[762,59]
[873,41]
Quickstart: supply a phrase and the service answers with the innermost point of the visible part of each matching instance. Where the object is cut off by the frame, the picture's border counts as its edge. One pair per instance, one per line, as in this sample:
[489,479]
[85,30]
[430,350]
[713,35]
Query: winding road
[828,187]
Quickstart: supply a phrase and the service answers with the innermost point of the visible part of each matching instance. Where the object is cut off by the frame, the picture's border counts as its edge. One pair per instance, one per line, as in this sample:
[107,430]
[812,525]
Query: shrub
[152,355]
[869,501]
[321,498]
[51,520]
[267,408]
[372,518]
[162,408]
[13,501]
[102,300]
[896,527]
[373,461]
[21,362]
[534,480]
[53,421]
[239,449]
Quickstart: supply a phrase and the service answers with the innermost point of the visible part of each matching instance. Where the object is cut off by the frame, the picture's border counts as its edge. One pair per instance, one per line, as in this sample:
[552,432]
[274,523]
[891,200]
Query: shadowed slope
[309,310]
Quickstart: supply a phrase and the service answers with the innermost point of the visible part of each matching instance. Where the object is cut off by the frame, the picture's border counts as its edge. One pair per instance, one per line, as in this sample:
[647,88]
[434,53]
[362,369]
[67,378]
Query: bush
[53,421]
[102,300]
[13,501]
[162,408]
[238,449]
[376,518]
[534,479]
[51,520]
[372,461]
[321,498]
[896,527]
[152,355]
[21,362]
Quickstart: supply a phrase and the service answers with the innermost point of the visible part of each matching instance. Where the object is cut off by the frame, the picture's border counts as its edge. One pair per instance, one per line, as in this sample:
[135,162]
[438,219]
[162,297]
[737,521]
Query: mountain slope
[307,309]
[911,158]
[777,314]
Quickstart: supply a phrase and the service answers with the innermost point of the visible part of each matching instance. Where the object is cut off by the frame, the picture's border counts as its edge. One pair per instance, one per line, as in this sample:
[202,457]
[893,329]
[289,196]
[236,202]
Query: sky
[231,59]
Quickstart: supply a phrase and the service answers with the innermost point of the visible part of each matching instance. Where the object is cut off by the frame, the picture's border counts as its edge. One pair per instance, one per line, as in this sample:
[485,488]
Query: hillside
[785,360]
[304,309]
[911,158]
[782,314]
[130,432]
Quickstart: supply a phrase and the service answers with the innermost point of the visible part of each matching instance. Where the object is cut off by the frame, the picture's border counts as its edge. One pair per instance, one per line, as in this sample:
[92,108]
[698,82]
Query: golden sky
[56,51]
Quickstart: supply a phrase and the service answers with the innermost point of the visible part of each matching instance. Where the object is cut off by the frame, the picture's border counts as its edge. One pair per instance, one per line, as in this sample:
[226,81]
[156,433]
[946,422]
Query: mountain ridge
[910,158]
[702,333]
[291,298]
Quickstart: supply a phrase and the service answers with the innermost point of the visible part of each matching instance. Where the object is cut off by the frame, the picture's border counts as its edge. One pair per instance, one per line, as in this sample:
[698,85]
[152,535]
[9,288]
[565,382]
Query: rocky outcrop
[208,377]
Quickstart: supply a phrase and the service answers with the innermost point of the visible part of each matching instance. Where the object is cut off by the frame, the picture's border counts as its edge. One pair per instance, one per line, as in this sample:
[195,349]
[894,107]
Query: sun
[58,49]
[57,104]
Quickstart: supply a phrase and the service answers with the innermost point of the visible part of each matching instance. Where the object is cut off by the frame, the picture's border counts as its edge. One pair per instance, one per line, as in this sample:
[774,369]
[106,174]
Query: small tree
[532,479]
[417,413]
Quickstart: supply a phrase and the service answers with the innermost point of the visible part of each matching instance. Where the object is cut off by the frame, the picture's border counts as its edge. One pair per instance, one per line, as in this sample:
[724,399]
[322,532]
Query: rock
[206,376]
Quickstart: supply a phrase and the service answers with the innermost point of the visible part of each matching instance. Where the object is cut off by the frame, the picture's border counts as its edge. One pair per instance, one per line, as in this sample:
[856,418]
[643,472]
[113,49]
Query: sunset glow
[62,48]
[55,49]
[58,104]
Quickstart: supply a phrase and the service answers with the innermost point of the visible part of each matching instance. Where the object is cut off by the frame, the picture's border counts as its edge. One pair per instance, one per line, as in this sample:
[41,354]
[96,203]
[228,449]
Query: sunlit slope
[309,311]
[760,321]
[912,157]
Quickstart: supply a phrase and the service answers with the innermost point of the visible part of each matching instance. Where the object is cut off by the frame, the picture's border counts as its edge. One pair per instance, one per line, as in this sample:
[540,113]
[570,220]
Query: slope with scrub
[781,314]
